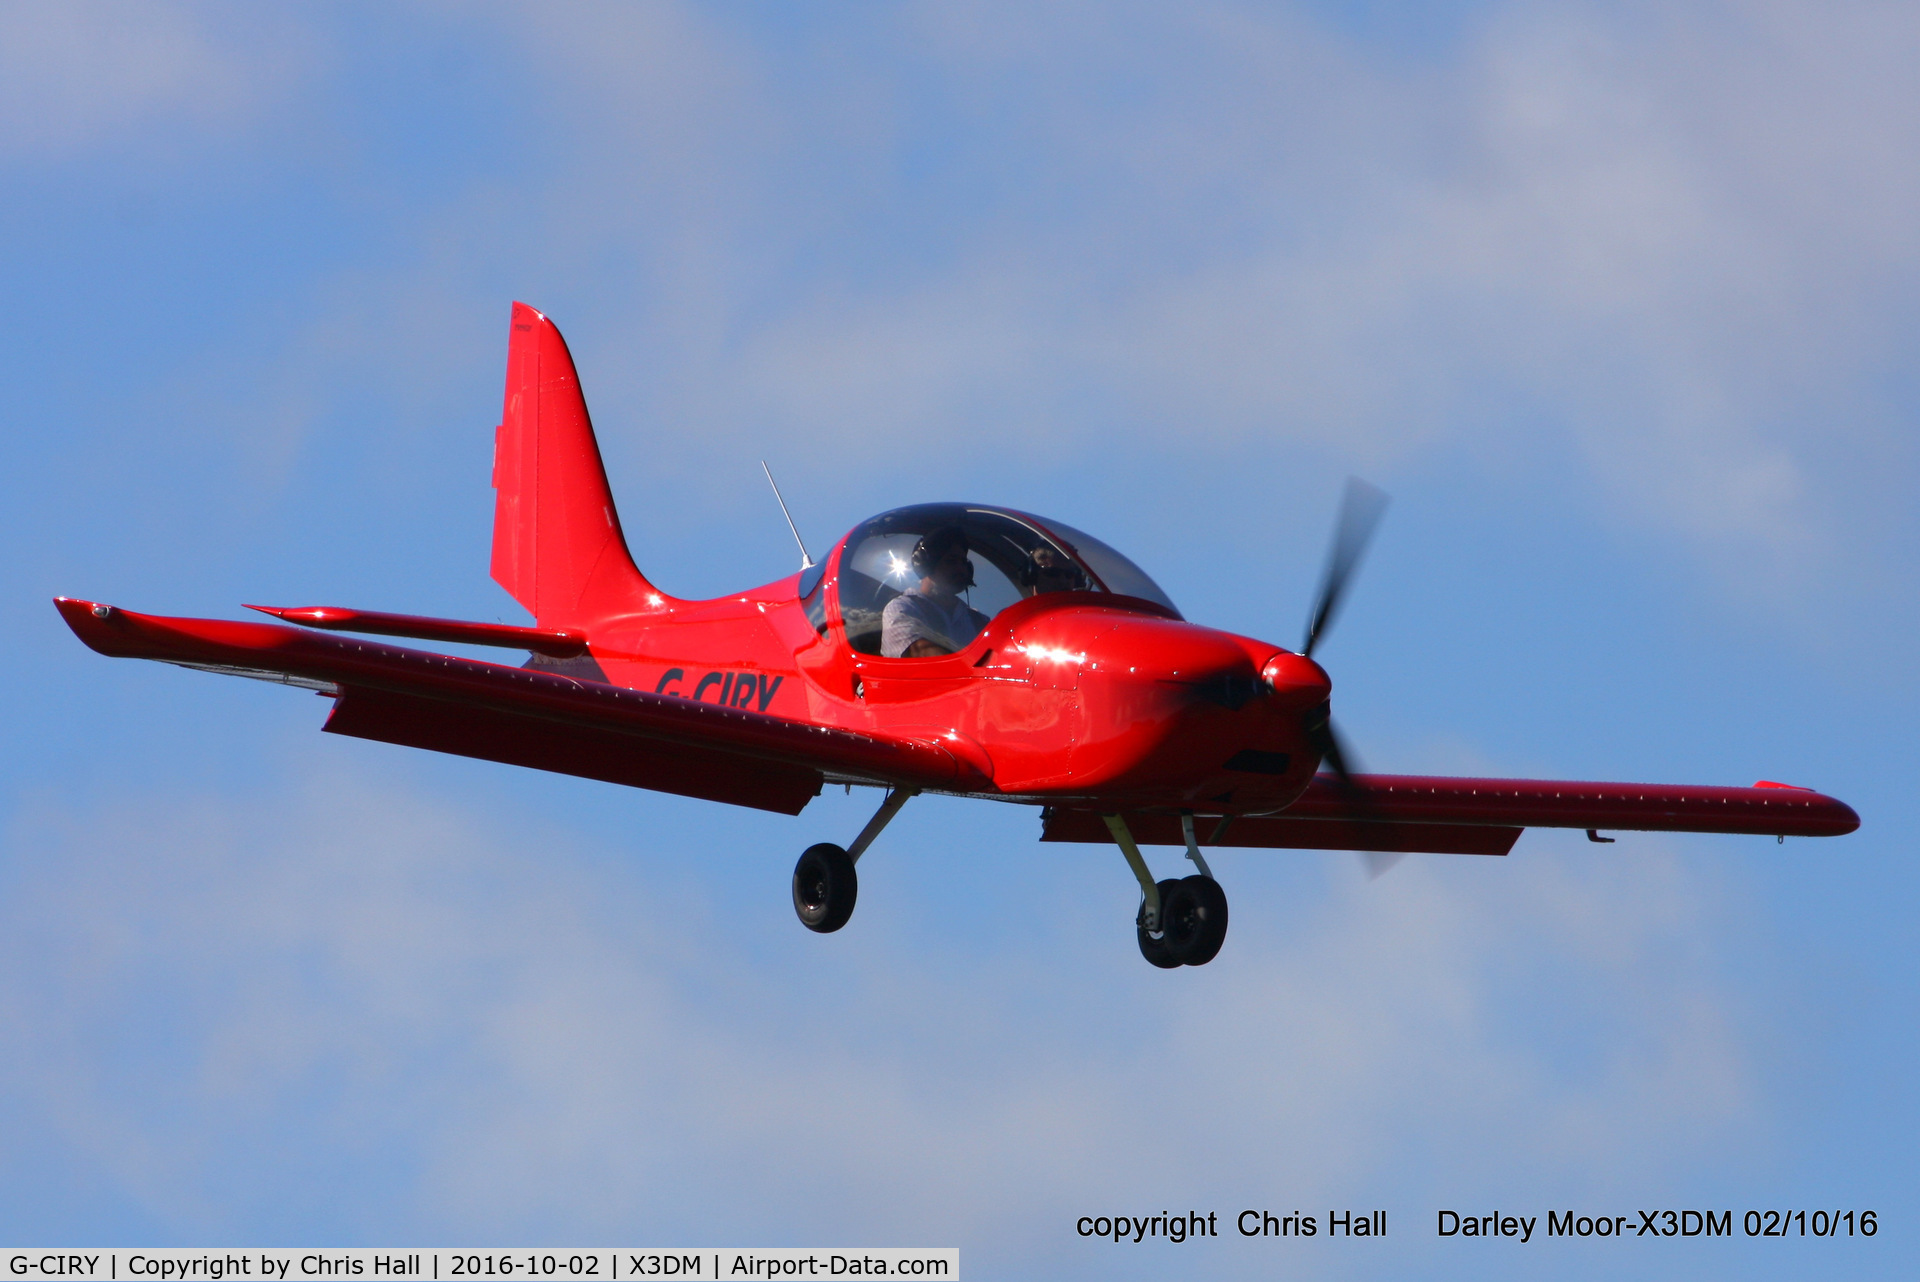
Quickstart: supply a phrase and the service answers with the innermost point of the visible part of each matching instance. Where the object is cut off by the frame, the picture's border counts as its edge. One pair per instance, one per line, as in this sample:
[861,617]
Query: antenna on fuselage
[806,559]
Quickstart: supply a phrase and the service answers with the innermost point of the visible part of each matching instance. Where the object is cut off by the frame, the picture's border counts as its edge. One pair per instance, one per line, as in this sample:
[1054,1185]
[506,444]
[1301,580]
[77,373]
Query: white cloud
[76,74]
[1676,241]
[1679,247]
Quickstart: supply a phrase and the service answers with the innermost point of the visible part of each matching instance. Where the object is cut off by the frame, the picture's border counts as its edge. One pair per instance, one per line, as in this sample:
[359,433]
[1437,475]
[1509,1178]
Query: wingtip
[1845,818]
[95,622]
[73,607]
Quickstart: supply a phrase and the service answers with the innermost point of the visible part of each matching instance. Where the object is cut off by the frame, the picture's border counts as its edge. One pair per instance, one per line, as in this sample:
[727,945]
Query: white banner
[443,1264]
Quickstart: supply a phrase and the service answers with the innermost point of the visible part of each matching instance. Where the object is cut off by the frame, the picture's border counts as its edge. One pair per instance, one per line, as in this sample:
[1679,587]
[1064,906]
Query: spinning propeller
[1360,511]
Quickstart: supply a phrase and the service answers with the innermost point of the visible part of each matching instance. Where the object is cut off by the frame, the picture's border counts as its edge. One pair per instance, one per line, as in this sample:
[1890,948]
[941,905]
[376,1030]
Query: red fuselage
[1063,695]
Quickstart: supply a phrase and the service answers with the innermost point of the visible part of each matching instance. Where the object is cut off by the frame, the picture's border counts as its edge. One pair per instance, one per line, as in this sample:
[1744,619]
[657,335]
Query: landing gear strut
[1182,922]
[825,885]
[1153,942]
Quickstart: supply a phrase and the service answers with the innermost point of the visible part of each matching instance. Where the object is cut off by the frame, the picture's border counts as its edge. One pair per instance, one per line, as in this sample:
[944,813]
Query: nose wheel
[1181,922]
[1194,920]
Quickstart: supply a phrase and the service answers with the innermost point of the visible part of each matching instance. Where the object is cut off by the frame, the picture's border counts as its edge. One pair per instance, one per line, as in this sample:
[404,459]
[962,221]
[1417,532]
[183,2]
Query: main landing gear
[1183,921]
[824,883]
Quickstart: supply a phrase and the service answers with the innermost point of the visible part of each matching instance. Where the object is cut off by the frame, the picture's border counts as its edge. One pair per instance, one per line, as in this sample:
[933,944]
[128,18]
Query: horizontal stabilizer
[558,643]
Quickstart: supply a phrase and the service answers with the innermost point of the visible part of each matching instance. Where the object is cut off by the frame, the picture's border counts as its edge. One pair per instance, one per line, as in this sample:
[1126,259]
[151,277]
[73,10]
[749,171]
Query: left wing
[532,718]
[1440,815]
[1766,809]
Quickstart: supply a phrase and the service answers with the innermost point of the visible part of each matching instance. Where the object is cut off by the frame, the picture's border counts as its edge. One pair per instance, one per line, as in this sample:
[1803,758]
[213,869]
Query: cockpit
[922,581]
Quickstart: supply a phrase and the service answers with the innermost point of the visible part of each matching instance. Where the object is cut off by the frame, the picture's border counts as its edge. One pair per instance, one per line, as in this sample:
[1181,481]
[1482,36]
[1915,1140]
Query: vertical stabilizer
[557,545]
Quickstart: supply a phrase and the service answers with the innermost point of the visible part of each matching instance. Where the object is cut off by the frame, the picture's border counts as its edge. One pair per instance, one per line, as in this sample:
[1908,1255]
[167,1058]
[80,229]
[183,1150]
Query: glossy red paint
[1085,700]
[509,698]
[559,643]
[557,545]
[1439,815]
[1547,803]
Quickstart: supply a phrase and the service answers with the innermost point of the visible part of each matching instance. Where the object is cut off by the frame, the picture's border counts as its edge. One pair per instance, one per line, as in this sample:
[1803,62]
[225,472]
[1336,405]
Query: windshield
[922,581]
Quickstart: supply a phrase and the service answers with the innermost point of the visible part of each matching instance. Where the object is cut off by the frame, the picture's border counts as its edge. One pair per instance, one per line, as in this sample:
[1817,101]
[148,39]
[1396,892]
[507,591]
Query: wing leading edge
[531,718]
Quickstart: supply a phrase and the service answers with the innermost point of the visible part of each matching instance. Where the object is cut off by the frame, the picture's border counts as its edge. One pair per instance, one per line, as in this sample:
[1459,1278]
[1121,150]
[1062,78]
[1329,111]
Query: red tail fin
[557,545]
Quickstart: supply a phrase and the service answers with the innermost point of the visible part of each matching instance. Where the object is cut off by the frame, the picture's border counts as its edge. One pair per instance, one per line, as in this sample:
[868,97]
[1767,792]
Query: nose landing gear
[1154,945]
[1182,922]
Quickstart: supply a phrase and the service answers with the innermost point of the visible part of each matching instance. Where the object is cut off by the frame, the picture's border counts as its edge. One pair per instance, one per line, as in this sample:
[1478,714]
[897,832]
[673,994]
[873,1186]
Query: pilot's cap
[934,546]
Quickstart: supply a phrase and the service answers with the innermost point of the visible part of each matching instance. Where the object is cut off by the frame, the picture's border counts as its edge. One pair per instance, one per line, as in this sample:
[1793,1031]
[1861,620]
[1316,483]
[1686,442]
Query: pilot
[1048,569]
[930,618]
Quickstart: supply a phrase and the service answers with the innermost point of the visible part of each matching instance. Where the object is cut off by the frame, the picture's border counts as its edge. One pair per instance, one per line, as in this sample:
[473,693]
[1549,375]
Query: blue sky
[1618,302]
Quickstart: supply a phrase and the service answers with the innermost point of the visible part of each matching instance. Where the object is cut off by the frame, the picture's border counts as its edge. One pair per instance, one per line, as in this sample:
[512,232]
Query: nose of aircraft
[1296,682]
[1230,669]
[1167,705]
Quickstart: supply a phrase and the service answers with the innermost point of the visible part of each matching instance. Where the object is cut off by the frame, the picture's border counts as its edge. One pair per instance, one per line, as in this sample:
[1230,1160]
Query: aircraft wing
[1440,815]
[1766,809]
[530,718]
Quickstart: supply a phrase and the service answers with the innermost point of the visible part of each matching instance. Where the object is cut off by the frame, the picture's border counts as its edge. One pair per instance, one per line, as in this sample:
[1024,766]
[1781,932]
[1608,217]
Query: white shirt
[948,622]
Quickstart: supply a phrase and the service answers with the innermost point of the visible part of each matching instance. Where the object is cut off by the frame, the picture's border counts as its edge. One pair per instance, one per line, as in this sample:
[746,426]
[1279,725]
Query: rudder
[557,544]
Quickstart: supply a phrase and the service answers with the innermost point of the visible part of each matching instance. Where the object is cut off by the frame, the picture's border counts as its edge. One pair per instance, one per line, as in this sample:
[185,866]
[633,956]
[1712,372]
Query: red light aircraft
[947,647]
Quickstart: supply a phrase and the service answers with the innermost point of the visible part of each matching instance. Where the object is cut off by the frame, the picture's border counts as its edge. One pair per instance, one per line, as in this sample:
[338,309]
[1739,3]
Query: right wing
[531,718]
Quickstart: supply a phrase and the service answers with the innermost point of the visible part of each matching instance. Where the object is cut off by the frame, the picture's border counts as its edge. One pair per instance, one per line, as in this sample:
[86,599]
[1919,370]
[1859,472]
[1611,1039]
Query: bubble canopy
[1008,556]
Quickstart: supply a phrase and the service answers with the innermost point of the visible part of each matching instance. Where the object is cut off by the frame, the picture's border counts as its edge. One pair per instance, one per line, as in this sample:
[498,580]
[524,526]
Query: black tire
[1154,947]
[1195,915]
[824,888]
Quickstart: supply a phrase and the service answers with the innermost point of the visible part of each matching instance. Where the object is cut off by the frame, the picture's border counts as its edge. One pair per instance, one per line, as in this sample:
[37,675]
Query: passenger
[930,618]
[1048,569]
